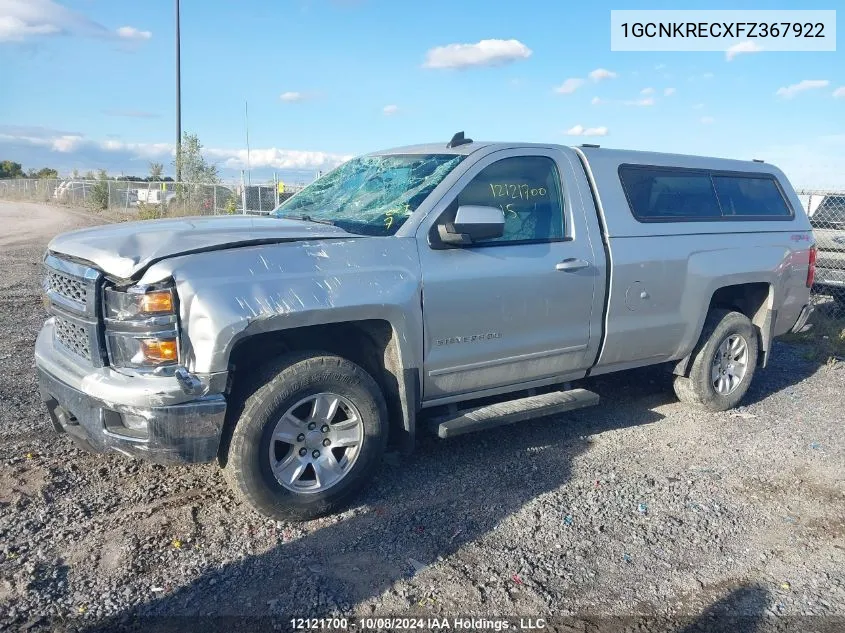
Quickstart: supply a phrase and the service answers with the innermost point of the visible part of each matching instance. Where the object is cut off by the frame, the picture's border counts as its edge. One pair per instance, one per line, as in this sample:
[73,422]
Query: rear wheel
[723,362]
[308,438]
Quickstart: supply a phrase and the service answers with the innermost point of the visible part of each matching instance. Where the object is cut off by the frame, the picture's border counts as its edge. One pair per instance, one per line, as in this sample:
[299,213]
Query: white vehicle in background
[72,190]
[155,196]
[827,217]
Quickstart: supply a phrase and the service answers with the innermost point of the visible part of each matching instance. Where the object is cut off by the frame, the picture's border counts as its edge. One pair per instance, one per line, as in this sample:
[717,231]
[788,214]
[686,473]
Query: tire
[700,387]
[291,393]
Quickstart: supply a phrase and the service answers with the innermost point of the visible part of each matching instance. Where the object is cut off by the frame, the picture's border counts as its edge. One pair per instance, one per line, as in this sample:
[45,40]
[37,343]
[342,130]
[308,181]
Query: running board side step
[511,411]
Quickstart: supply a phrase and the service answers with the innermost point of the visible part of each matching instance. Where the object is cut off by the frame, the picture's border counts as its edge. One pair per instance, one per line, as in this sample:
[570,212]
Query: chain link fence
[826,209]
[148,200]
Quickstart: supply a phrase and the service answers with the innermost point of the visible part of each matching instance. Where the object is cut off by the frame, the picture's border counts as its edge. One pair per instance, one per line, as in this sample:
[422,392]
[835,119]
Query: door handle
[571,265]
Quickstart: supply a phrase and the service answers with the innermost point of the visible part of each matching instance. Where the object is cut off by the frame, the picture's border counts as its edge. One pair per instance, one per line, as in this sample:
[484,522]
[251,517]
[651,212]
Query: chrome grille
[67,286]
[73,337]
[72,290]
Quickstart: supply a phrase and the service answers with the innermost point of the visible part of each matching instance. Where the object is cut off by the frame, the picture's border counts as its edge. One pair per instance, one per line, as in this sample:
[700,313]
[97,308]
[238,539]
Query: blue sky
[90,83]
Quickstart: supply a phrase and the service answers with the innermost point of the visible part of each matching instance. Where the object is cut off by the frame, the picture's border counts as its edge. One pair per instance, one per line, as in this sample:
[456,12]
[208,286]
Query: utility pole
[178,102]
[246,119]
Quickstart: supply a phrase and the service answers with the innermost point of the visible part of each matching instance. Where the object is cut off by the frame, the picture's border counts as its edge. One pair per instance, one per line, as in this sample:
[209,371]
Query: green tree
[156,170]
[10,169]
[47,172]
[193,166]
[75,174]
[99,197]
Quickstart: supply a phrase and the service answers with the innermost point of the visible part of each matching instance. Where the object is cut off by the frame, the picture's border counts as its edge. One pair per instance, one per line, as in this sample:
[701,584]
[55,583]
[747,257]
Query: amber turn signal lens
[156,302]
[159,350]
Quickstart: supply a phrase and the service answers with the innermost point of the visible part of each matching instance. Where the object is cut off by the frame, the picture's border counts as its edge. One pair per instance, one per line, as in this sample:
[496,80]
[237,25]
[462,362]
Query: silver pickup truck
[449,287]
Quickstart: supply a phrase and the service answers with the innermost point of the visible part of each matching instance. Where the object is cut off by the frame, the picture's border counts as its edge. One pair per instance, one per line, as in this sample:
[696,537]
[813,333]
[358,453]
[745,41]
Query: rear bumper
[801,324]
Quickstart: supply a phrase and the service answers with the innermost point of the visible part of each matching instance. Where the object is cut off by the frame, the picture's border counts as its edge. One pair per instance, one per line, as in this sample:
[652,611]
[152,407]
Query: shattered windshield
[370,195]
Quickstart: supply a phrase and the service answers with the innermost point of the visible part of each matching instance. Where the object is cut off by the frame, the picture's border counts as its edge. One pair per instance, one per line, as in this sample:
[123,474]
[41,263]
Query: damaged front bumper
[150,417]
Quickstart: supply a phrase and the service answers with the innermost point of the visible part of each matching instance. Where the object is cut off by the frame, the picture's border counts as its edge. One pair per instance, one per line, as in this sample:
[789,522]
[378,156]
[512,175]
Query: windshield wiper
[306,218]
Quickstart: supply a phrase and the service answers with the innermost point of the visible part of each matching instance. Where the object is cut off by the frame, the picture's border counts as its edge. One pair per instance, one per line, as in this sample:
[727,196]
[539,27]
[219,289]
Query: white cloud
[112,145]
[65,144]
[55,140]
[276,158]
[707,76]
[698,106]
[601,73]
[787,92]
[483,53]
[580,130]
[839,93]
[707,120]
[669,92]
[647,91]
[390,110]
[146,151]
[74,150]
[292,97]
[131,33]
[660,67]
[648,101]
[569,86]
[596,101]
[13,29]
[21,20]
[741,49]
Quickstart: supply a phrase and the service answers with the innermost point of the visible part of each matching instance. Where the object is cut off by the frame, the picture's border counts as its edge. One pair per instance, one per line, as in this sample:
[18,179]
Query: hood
[126,248]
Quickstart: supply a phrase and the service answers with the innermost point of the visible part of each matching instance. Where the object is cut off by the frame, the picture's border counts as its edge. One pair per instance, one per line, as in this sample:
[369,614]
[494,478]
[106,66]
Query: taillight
[811,268]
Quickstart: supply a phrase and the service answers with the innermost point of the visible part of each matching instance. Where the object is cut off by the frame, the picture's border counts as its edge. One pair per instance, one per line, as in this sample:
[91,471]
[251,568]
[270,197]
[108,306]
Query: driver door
[515,309]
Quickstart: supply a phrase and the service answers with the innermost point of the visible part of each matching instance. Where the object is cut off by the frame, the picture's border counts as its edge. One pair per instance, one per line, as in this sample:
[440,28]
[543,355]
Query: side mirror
[473,224]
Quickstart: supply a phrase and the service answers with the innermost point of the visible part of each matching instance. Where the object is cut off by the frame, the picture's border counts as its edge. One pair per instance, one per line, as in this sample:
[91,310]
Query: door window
[527,189]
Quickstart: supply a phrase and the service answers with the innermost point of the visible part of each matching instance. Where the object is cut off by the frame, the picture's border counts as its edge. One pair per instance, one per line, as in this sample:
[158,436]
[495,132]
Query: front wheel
[308,437]
[723,362]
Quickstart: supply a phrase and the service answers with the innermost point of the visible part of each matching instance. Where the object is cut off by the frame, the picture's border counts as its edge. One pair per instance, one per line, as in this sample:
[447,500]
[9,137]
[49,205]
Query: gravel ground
[639,507]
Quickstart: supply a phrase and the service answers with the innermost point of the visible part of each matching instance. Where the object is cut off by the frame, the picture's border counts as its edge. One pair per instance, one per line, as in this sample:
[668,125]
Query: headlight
[138,303]
[141,326]
[142,350]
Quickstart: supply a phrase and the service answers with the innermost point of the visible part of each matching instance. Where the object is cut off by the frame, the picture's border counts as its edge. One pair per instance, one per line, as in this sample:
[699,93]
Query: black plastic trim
[607,261]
